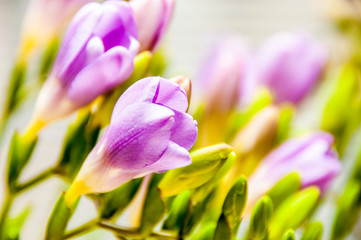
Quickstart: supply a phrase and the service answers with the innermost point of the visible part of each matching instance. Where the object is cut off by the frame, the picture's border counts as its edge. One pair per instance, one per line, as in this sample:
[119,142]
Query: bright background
[195,24]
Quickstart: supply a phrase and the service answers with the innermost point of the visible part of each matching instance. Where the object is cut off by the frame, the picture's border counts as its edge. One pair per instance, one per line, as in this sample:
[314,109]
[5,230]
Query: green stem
[87,227]
[134,233]
[9,198]
[36,180]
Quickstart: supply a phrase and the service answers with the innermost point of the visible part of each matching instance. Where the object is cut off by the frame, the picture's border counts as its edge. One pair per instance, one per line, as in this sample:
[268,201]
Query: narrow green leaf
[259,224]
[223,230]
[313,231]
[293,211]
[289,235]
[178,212]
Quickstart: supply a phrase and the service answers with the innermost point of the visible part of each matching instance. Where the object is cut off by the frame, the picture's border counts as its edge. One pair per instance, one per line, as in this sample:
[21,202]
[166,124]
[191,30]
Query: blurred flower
[289,64]
[46,20]
[152,19]
[97,54]
[222,76]
[149,132]
[311,156]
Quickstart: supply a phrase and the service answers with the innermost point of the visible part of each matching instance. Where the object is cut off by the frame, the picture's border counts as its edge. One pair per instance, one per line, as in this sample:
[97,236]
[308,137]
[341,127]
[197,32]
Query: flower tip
[185,83]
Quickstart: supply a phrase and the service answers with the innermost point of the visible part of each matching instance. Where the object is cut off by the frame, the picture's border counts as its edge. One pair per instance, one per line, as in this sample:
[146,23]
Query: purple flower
[223,74]
[311,156]
[96,55]
[289,64]
[149,132]
[152,19]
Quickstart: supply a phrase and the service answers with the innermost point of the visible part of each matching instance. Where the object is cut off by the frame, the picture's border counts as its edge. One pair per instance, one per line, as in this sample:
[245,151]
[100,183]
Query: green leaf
[200,193]
[223,230]
[15,93]
[293,211]
[259,224]
[59,219]
[348,210]
[205,234]
[14,225]
[154,206]
[48,59]
[79,141]
[235,203]
[313,231]
[205,164]
[178,212]
[19,155]
[284,188]
[114,202]
[289,235]
[284,123]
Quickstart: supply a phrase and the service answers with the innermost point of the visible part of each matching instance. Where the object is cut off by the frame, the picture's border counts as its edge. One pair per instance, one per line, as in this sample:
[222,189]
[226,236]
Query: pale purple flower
[153,18]
[97,54]
[289,64]
[311,156]
[149,132]
[223,74]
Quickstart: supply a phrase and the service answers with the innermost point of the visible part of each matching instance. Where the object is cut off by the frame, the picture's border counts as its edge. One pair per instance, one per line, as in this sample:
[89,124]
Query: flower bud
[51,17]
[289,64]
[149,132]
[311,156]
[185,83]
[96,55]
[152,19]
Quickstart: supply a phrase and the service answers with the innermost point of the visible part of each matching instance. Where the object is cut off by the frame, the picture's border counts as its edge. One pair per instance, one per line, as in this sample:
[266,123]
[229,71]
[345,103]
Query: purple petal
[138,136]
[141,91]
[174,157]
[184,130]
[171,95]
[76,37]
[103,74]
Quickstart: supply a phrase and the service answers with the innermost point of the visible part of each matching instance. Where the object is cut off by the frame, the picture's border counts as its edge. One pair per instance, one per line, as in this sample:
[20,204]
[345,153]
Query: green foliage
[293,211]
[114,202]
[284,123]
[205,164]
[59,219]
[20,152]
[348,210]
[313,231]
[48,59]
[154,206]
[289,235]
[79,141]
[223,230]
[259,225]
[284,188]
[14,225]
[178,212]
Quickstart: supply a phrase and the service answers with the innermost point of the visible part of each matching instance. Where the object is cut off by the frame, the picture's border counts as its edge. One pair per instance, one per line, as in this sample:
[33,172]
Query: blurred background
[194,26]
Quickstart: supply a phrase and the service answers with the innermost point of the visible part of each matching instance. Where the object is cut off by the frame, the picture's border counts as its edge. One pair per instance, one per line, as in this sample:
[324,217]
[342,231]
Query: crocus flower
[311,156]
[153,18]
[96,55]
[289,64]
[149,132]
[221,76]
[51,17]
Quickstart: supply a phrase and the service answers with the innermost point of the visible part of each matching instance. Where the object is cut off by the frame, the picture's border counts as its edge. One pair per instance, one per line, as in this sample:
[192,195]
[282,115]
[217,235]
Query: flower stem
[87,227]
[36,180]
[9,198]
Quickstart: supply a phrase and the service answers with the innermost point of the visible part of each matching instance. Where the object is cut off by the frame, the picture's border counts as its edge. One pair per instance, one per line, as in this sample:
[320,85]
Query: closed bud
[205,164]
[96,55]
[149,132]
[185,83]
[153,18]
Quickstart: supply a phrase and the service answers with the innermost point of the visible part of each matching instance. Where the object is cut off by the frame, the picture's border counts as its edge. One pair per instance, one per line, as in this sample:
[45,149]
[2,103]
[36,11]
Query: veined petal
[184,130]
[138,136]
[103,74]
[76,37]
[141,91]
